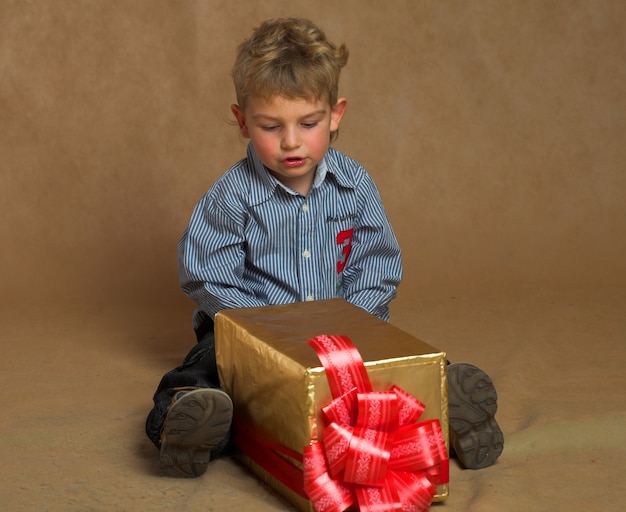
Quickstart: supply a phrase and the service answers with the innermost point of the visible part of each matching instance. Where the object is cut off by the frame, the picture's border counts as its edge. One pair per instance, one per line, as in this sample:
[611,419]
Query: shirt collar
[266,184]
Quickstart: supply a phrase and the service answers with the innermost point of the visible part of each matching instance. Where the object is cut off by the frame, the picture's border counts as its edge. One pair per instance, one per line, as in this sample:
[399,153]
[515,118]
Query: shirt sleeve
[374,267]
[211,258]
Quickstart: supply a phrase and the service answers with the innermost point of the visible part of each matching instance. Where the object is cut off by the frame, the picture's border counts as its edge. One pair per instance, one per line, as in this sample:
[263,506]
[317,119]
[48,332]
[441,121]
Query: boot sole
[193,426]
[472,403]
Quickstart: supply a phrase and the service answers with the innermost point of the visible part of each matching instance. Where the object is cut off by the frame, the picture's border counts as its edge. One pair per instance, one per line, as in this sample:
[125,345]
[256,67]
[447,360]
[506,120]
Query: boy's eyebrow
[267,116]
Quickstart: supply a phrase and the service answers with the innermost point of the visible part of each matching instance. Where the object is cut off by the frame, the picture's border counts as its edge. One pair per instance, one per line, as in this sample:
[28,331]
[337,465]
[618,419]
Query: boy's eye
[274,127]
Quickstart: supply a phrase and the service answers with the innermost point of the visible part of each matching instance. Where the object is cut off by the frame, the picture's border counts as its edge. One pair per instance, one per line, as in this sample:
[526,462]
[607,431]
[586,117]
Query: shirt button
[306,253]
[305,207]
[309,298]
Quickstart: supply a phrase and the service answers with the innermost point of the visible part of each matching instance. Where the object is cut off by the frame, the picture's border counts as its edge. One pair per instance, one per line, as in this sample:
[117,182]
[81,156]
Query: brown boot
[472,403]
[197,421]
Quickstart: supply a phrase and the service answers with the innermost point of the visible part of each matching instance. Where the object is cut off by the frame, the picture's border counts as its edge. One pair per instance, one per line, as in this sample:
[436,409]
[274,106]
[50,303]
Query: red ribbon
[373,453]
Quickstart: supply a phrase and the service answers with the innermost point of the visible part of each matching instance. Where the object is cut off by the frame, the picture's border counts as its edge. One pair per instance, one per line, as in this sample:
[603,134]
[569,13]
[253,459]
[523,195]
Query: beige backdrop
[493,129]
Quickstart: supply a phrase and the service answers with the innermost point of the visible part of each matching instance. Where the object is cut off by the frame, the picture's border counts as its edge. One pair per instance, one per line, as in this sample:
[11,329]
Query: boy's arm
[374,267]
[211,260]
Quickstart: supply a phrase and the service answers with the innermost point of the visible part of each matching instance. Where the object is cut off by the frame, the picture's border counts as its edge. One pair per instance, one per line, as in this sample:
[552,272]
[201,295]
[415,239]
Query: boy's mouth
[294,161]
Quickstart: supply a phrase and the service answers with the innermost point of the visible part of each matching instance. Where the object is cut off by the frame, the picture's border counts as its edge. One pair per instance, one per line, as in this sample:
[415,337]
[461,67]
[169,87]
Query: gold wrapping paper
[279,386]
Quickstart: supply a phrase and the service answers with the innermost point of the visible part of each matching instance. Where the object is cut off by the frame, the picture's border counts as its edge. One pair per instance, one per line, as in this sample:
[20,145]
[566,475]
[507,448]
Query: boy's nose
[290,139]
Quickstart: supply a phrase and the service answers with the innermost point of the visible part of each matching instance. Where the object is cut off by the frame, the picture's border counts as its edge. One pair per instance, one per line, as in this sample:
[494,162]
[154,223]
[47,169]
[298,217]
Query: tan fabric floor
[76,385]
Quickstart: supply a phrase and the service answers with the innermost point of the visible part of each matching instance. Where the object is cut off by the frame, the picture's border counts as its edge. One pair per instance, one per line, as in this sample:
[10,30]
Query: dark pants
[198,369]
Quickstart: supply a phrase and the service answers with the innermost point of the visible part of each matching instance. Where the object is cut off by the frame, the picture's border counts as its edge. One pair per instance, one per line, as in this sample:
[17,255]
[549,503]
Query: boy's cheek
[263,148]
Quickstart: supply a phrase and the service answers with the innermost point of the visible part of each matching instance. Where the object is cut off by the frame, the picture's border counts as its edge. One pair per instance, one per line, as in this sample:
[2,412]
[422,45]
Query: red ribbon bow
[373,453]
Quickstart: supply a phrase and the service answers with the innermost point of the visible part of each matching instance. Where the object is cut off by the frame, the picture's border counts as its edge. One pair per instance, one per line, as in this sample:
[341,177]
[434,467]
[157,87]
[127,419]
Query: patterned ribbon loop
[343,364]
[326,493]
[343,409]
[373,453]
[368,457]
[378,411]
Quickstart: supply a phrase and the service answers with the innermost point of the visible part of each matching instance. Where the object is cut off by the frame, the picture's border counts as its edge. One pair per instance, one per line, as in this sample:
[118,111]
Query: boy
[295,220]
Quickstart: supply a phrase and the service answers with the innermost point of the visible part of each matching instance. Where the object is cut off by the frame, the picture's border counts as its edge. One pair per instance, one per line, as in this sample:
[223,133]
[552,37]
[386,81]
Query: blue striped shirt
[253,242]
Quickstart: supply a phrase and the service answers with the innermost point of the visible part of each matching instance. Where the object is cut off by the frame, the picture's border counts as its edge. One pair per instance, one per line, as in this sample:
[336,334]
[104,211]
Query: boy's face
[290,136]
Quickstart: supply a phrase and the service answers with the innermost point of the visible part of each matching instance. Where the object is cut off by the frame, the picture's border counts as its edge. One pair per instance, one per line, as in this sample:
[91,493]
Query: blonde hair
[289,57]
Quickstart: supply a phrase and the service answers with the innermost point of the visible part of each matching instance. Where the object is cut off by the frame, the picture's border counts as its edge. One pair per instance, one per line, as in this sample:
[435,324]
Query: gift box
[279,386]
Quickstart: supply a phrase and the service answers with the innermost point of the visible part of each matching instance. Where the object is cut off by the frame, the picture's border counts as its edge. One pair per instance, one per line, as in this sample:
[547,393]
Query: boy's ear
[337,113]
[241,120]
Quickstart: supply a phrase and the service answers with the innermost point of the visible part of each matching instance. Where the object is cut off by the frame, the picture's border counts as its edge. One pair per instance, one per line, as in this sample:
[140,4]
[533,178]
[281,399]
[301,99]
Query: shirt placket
[306,255]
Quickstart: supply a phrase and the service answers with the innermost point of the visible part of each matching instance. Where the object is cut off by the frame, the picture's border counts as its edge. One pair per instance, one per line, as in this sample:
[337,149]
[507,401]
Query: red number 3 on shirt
[344,238]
